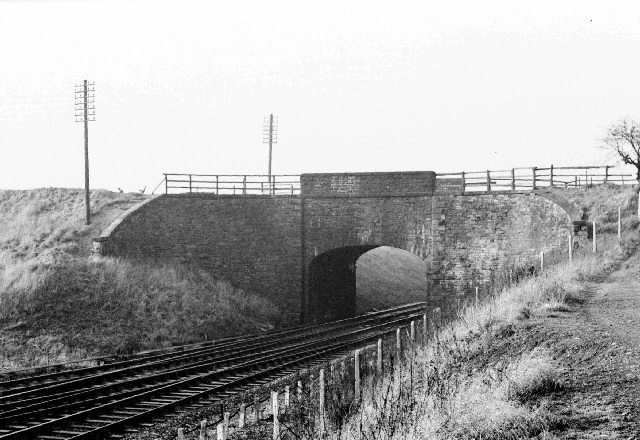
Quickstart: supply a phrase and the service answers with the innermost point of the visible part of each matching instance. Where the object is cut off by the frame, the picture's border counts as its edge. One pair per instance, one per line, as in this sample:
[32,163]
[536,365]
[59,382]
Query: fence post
[619,224]
[570,247]
[476,296]
[256,408]
[275,411]
[533,173]
[575,181]
[242,414]
[586,177]
[488,180]
[217,185]
[513,179]
[424,329]
[379,357]
[541,261]
[166,184]
[462,183]
[203,430]
[220,432]
[273,182]
[299,391]
[321,398]
[595,240]
[398,344]
[356,373]
[412,331]
[551,176]
[225,424]
[287,398]
[606,173]
[180,433]
[244,185]
[189,183]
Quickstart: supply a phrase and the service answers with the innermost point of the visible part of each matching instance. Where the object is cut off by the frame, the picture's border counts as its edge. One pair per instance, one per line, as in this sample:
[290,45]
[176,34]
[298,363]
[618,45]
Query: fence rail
[523,179]
[238,184]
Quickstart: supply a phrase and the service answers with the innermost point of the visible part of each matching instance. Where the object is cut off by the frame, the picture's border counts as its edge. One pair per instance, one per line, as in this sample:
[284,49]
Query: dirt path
[598,345]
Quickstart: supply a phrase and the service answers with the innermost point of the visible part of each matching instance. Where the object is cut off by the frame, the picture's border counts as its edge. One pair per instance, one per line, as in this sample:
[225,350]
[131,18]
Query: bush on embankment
[57,305]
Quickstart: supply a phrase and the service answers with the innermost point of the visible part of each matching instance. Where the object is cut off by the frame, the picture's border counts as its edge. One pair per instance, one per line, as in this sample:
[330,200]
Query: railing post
[586,177]
[189,183]
[551,176]
[533,173]
[166,184]
[513,179]
[244,185]
[488,180]
[217,185]
[462,183]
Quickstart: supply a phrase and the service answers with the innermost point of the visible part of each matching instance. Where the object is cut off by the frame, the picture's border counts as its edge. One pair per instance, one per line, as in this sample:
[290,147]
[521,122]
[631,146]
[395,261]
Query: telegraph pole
[270,136]
[85,111]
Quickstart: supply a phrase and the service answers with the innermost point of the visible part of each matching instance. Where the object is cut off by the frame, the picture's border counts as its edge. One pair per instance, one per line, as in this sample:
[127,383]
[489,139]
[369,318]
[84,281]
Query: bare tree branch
[623,139]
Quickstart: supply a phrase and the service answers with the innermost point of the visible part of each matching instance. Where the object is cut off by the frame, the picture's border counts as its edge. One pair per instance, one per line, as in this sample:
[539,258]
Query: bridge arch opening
[347,281]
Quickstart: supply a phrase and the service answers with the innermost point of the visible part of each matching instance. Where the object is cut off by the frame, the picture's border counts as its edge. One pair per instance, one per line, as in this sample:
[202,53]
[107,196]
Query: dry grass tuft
[56,305]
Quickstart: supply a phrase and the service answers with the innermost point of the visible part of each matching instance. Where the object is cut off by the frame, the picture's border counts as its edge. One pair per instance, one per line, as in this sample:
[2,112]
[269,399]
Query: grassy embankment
[57,305]
[479,380]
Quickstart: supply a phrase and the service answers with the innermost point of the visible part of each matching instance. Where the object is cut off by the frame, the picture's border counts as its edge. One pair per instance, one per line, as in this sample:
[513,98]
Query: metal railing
[232,184]
[527,179]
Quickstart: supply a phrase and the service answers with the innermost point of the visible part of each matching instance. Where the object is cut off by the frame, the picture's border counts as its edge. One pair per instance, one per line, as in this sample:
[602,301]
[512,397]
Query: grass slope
[57,305]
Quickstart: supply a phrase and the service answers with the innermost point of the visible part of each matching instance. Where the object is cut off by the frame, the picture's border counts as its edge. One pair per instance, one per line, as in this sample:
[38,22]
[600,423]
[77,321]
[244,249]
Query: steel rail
[24,401]
[7,386]
[195,374]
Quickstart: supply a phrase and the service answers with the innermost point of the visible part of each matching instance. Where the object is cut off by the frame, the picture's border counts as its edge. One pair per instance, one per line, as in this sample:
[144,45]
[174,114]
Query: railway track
[116,398]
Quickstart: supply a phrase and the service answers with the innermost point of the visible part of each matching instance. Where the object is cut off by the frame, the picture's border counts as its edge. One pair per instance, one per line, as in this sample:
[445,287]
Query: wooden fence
[309,393]
[233,184]
[527,179]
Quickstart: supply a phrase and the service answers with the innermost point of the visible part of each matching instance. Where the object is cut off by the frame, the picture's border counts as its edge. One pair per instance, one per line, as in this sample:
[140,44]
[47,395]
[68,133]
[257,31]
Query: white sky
[183,86]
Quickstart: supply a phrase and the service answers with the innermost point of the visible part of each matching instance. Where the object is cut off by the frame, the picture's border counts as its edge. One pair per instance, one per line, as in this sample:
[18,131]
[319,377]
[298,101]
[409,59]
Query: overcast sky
[183,86]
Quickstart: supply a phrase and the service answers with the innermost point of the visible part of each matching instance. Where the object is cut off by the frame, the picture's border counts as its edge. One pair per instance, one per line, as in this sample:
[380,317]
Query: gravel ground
[597,344]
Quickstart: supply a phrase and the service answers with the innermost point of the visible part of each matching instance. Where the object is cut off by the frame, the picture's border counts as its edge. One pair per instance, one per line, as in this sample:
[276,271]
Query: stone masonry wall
[478,236]
[252,241]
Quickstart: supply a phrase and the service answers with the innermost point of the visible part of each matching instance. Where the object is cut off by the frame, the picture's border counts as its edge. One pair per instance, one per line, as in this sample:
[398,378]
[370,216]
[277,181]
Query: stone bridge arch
[267,243]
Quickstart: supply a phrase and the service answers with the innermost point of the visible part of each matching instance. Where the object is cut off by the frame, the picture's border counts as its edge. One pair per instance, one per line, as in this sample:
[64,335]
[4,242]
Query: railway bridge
[301,244]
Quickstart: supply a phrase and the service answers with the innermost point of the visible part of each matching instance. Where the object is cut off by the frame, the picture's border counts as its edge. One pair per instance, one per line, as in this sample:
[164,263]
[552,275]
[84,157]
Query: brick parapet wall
[369,184]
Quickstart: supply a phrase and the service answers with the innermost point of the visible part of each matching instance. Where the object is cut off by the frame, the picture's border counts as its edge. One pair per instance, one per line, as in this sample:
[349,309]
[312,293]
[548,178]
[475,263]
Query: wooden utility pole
[85,112]
[270,136]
